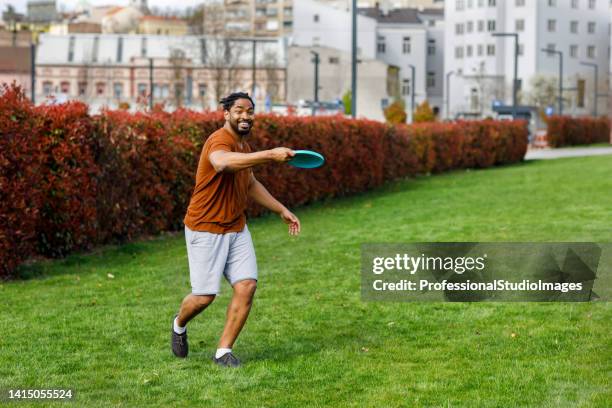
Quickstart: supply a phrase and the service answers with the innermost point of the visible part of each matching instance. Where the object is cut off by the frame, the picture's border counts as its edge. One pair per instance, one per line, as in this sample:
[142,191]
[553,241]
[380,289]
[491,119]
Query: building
[158,25]
[397,37]
[65,28]
[42,11]
[333,83]
[112,69]
[248,18]
[17,68]
[420,4]
[121,20]
[480,66]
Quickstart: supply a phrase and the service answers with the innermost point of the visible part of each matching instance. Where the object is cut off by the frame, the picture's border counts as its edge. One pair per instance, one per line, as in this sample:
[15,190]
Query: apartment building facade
[480,66]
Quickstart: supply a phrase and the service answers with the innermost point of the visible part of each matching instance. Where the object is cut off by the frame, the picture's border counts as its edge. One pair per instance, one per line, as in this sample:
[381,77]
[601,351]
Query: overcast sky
[20,5]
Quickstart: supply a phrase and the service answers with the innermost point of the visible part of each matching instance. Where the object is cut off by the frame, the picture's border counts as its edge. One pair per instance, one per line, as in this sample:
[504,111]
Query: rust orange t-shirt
[219,200]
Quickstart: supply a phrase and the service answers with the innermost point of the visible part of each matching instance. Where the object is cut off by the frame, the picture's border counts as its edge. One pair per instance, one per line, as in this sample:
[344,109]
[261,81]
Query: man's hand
[289,218]
[281,154]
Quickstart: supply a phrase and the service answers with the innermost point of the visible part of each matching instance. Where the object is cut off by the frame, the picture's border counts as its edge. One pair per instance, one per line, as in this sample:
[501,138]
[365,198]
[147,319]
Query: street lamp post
[150,83]
[354,62]
[33,73]
[316,60]
[560,53]
[448,75]
[515,81]
[413,86]
[595,94]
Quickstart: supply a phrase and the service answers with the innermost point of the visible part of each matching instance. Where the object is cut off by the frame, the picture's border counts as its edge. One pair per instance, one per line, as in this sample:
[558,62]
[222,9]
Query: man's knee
[201,301]
[245,288]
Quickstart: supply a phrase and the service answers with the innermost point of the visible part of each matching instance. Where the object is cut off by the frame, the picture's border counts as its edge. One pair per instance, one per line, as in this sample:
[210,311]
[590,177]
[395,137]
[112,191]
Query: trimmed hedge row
[70,181]
[569,131]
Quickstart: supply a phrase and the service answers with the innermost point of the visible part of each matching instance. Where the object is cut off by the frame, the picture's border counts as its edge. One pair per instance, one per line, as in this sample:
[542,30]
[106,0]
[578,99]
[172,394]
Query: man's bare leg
[192,306]
[237,311]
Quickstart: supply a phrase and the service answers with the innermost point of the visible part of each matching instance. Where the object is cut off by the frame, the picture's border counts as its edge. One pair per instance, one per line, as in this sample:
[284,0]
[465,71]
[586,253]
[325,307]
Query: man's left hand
[294,223]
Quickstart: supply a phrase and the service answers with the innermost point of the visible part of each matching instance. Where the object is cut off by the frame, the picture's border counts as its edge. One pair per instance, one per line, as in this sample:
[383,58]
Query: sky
[20,5]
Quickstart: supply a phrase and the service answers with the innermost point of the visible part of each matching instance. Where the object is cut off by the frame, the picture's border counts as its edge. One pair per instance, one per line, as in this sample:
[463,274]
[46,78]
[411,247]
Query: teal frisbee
[306,159]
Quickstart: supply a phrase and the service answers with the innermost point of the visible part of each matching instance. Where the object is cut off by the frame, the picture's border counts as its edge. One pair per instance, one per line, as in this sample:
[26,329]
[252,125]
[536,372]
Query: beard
[240,127]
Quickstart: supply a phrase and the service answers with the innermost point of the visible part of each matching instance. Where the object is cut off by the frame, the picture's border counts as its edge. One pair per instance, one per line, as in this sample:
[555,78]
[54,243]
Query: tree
[396,112]
[424,113]
[347,101]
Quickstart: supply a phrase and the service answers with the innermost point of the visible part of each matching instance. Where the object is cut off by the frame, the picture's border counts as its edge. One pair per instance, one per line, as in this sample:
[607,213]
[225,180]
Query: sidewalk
[546,154]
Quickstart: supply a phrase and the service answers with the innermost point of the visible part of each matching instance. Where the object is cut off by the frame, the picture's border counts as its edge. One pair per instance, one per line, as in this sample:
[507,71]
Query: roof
[433,11]
[394,16]
[19,60]
[165,19]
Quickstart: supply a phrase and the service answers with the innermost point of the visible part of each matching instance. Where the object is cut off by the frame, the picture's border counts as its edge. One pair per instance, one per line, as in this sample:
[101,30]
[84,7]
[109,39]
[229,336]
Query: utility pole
[316,60]
[33,73]
[515,80]
[595,93]
[546,50]
[413,88]
[448,75]
[354,62]
[253,67]
[150,83]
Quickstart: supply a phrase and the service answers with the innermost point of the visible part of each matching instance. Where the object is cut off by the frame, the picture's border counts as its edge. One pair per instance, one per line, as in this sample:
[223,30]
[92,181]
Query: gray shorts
[212,255]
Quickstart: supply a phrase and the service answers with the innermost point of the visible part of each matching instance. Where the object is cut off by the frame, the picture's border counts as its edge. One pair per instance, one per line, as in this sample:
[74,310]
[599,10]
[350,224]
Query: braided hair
[229,100]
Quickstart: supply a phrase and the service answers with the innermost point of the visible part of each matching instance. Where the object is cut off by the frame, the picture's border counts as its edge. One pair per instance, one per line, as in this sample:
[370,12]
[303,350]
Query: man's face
[241,116]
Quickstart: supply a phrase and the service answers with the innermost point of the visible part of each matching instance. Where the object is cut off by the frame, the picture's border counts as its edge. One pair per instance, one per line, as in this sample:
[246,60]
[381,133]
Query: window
[96,46]
[82,88]
[580,88]
[591,51]
[491,25]
[142,89]
[100,88]
[591,27]
[47,88]
[575,4]
[550,47]
[574,27]
[480,50]
[119,49]
[591,4]
[491,3]
[521,49]
[460,5]
[117,90]
[480,25]
[315,18]
[551,25]
[468,51]
[431,79]
[519,3]
[406,48]
[431,47]
[334,60]
[380,45]
[574,51]
[143,47]
[519,25]
[65,87]
[201,90]
[459,52]
[203,51]
[469,26]
[406,87]
[71,49]
[490,49]
[459,28]
[161,91]
[552,3]
[480,3]
[470,4]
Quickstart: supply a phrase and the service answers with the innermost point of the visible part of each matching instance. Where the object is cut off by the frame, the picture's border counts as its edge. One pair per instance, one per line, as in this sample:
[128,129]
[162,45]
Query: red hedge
[568,131]
[69,180]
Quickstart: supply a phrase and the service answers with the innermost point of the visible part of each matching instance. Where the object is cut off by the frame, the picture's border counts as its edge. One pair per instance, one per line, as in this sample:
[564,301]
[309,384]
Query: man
[218,239]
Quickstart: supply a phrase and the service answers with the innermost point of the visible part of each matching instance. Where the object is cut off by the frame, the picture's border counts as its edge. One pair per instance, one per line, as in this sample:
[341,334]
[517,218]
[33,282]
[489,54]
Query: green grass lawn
[310,340]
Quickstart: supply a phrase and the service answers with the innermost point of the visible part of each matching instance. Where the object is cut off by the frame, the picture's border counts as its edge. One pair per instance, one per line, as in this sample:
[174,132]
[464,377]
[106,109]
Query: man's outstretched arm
[262,196]
[224,161]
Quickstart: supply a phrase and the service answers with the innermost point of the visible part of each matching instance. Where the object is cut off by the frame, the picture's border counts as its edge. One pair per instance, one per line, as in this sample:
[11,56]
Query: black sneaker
[180,348]
[227,360]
